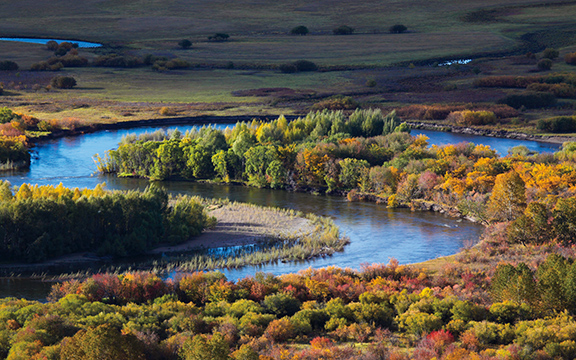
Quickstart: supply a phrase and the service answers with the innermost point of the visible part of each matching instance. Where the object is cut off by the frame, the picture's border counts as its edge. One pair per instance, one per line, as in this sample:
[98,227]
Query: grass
[259,39]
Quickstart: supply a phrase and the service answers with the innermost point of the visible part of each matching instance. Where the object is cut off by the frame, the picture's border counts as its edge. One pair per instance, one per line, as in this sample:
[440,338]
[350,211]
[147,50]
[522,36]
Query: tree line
[42,222]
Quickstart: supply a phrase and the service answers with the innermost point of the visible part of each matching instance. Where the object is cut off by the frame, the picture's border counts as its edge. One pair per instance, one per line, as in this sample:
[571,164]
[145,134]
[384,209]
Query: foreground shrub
[397,29]
[529,100]
[63,82]
[299,30]
[343,30]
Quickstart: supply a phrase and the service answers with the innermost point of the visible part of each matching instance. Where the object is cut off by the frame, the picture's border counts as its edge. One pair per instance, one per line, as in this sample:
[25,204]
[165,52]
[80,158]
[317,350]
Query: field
[375,67]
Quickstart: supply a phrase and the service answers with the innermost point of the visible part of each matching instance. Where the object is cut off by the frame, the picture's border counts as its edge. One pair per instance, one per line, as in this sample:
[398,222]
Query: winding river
[376,233]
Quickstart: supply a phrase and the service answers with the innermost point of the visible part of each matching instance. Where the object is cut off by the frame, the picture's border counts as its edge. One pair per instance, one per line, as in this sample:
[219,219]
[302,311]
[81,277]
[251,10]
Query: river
[376,233]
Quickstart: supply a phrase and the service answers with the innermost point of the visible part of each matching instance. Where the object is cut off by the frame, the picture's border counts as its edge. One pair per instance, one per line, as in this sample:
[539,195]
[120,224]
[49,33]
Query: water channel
[376,233]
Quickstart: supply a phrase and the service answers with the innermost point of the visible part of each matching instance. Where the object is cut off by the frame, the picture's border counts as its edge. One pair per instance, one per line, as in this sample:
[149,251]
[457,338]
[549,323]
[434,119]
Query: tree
[550,53]
[219,37]
[299,30]
[63,82]
[202,347]
[305,65]
[8,65]
[351,170]
[397,29]
[343,30]
[185,44]
[544,64]
[508,197]
[102,343]
[565,220]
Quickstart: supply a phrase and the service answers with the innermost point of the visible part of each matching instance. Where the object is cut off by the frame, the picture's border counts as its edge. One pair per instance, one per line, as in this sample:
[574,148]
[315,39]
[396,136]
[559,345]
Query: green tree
[564,222]
[102,343]
[351,171]
[202,347]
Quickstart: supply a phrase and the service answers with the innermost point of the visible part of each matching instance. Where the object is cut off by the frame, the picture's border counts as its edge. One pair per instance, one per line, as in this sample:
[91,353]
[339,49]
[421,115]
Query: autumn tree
[508,197]
[102,343]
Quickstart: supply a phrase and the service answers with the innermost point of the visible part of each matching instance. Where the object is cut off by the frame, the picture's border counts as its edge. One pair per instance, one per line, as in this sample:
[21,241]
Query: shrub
[299,30]
[63,82]
[550,53]
[7,115]
[219,37]
[166,111]
[281,304]
[71,60]
[305,65]
[173,64]
[52,45]
[185,44]
[288,68]
[544,64]
[8,65]
[570,59]
[559,124]
[115,60]
[343,30]
[530,100]
[371,83]
[559,90]
[45,66]
[397,29]
[468,117]
[337,102]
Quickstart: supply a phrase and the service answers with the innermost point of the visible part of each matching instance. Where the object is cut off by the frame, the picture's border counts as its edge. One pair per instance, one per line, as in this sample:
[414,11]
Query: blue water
[81,44]
[500,145]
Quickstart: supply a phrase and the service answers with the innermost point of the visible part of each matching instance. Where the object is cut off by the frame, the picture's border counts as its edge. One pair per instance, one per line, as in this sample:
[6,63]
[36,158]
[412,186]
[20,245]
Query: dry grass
[243,224]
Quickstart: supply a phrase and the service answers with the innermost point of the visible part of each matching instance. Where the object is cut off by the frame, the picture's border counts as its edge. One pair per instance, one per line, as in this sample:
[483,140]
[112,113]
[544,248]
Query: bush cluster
[559,124]
[298,66]
[343,30]
[529,100]
[116,60]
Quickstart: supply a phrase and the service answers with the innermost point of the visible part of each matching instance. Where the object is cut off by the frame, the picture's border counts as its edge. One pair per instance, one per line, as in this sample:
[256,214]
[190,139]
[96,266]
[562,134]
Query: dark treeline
[37,223]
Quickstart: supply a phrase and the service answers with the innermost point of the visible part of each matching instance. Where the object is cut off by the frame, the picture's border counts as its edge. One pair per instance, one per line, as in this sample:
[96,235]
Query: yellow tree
[508,198]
